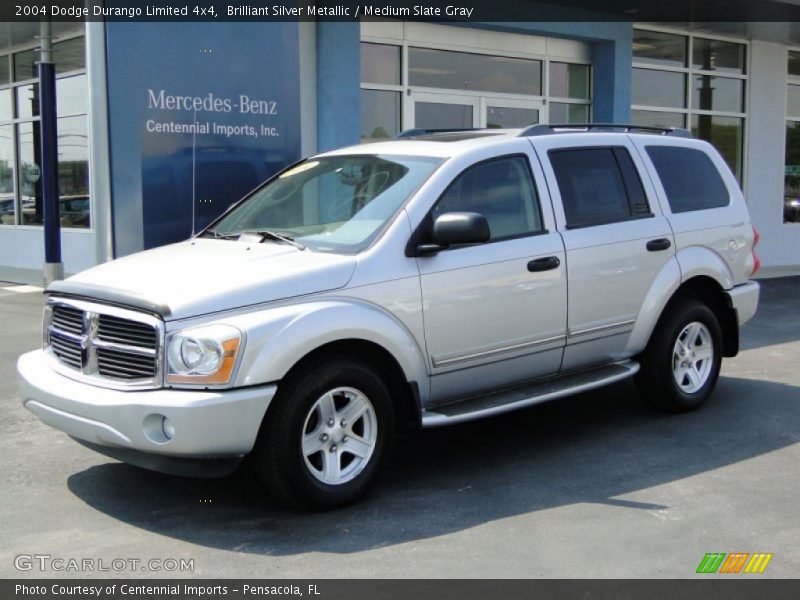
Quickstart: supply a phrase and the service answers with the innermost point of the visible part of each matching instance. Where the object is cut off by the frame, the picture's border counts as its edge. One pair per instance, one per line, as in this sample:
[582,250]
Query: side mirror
[451,229]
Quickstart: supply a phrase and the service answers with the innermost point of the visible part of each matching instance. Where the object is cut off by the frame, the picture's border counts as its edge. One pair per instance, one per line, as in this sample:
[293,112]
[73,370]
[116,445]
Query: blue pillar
[338,83]
[612,81]
[54,268]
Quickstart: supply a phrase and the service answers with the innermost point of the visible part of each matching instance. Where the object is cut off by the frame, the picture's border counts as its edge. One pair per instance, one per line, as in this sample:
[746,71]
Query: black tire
[278,457]
[656,381]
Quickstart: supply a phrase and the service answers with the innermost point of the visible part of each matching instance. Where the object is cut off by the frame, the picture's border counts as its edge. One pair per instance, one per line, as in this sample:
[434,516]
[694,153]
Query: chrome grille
[105,343]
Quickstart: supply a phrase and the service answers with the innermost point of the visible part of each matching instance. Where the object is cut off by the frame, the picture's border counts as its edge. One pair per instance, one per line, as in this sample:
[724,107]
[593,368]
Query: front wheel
[681,364]
[325,434]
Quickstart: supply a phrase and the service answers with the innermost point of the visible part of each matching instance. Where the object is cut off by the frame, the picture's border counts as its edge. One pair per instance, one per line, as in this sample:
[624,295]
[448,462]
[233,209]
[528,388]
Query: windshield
[331,204]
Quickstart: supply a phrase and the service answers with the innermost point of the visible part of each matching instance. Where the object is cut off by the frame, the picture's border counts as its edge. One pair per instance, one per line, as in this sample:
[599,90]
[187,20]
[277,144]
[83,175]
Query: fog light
[168,428]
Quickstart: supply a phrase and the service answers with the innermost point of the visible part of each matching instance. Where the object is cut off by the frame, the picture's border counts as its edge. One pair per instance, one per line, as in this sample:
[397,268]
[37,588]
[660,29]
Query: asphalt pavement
[596,485]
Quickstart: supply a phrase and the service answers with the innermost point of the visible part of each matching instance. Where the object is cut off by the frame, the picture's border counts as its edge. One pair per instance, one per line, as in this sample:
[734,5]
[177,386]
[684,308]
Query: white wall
[22,252]
[779,249]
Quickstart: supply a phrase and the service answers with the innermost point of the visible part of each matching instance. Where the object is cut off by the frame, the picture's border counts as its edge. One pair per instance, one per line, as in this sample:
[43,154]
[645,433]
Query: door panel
[610,267]
[490,318]
[444,111]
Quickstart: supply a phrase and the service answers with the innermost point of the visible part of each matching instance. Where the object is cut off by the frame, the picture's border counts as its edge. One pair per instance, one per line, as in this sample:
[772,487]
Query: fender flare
[278,338]
[686,264]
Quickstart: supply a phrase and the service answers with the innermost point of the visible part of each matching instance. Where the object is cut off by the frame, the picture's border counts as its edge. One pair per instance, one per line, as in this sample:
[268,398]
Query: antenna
[194,169]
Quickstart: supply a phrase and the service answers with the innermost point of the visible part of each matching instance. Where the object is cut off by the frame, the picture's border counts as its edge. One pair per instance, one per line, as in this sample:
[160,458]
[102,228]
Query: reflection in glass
[433,115]
[69,55]
[25,65]
[561,112]
[380,63]
[725,133]
[652,118]
[5,105]
[71,95]
[29,181]
[793,101]
[715,55]
[569,80]
[73,171]
[7,209]
[794,63]
[791,181]
[28,101]
[4,71]
[503,117]
[380,115]
[655,48]
[465,71]
[717,93]
[659,88]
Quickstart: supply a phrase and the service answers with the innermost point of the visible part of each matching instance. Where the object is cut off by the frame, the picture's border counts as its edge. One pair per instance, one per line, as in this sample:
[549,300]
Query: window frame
[8,54]
[689,72]
[626,182]
[423,231]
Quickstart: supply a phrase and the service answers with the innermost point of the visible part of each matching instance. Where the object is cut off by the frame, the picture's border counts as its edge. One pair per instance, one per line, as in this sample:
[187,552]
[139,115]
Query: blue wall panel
[338,84]
[199,113]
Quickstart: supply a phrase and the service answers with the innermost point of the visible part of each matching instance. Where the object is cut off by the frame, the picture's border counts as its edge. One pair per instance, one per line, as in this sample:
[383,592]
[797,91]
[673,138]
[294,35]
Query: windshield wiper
[221,236]
[279,237]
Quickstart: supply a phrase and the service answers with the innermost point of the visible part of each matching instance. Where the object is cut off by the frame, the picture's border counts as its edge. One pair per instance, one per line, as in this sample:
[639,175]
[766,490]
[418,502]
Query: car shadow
[590,448]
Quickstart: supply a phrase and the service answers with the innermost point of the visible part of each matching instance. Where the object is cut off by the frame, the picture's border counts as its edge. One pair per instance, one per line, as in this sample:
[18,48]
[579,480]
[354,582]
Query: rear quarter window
[689,177]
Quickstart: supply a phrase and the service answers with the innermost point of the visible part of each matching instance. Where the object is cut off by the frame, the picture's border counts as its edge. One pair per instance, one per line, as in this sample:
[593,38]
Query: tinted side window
[501,190]
[690,178]
[598,186]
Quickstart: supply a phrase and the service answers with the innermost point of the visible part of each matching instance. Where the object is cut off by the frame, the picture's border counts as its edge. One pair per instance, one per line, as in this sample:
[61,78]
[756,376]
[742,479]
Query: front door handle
[659,244]
[543,264]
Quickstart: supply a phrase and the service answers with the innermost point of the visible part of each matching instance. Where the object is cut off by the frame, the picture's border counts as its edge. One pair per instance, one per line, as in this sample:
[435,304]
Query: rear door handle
[543,264]
[659,244]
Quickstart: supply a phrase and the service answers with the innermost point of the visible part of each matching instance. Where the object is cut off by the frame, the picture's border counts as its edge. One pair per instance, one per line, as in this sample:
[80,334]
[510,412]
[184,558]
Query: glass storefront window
[561,112]
[656,48]
[717,93]
[725,133]
[25,65]
[569,80]
[7,209]
[715,55]
[71,95]
[380,115]
[29,181]
[794,63]
[27,101]
[791,179]
[5,105]
[380,63]
[652,118]
[479,72]
[69,55]
[506,117]
[659,88]
[73,171]
[793,101]
[434,115]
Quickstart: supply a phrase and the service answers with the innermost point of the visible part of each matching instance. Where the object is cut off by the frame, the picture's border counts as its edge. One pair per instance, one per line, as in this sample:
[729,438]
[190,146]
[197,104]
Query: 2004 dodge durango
[419,282]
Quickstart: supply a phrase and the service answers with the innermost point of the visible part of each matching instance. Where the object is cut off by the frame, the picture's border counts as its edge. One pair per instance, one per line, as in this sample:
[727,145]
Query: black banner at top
[476,11]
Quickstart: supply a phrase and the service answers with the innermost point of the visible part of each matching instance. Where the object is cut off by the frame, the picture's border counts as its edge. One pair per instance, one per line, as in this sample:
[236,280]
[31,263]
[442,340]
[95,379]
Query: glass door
[443,111]
[502,113]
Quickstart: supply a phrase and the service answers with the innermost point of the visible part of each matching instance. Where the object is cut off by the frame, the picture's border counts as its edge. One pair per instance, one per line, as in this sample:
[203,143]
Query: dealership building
[161,126]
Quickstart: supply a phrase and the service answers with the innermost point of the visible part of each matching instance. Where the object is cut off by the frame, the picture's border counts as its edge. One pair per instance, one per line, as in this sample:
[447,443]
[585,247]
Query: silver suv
[419,282]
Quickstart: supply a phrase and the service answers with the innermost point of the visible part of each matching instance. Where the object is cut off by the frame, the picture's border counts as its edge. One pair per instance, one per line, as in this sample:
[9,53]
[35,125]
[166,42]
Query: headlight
[203,355]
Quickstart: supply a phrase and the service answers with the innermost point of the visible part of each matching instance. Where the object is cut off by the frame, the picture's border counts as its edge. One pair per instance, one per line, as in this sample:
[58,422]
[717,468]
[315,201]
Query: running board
[527,394]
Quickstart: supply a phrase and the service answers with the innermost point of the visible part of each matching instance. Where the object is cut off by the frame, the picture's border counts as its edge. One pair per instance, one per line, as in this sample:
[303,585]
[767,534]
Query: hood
[202,276]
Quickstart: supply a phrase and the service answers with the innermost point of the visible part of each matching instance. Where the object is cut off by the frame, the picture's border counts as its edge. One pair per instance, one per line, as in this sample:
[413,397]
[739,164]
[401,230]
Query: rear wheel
[681,364]
[325,434]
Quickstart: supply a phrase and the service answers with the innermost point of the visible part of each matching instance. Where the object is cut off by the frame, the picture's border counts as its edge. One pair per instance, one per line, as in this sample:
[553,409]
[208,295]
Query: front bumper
[208,424]
[744,300]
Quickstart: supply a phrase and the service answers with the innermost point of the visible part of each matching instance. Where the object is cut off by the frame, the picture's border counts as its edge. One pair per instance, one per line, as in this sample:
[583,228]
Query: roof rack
[550,129]
[408,133]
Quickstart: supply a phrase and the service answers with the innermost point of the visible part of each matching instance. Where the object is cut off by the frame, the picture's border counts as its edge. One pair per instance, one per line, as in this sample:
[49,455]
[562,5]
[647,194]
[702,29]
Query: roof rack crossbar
[550,129]
[408,133]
